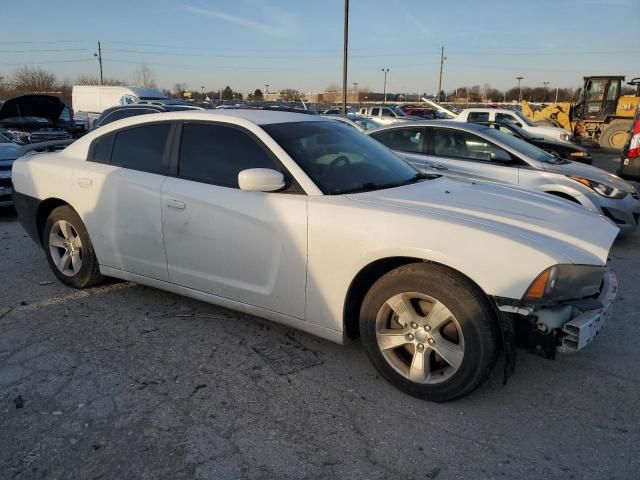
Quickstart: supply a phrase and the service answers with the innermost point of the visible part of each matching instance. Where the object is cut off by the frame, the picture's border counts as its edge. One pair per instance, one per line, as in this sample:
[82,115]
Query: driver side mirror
[261,180]
[500,156]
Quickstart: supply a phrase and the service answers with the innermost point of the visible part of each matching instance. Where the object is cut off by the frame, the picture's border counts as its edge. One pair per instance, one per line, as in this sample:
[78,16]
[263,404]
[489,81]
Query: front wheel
[69,249]
[429,331]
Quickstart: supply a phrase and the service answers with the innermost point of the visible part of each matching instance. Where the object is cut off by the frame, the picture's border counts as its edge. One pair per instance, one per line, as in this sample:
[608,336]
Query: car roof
[487,109]
[239,117]
[433,123]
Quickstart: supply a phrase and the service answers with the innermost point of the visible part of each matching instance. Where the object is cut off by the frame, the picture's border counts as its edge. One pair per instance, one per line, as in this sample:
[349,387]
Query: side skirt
[323,332]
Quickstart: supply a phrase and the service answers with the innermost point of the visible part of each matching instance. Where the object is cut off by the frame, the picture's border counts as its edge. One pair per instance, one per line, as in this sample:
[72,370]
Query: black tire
[474,315]
[615,135]
[89,272]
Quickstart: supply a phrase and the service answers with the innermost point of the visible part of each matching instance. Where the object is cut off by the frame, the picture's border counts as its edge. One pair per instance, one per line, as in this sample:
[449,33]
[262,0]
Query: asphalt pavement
[126,382]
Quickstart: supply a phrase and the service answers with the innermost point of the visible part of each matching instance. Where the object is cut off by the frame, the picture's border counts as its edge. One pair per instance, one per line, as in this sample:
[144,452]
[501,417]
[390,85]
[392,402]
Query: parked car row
[304,220]
[479,151]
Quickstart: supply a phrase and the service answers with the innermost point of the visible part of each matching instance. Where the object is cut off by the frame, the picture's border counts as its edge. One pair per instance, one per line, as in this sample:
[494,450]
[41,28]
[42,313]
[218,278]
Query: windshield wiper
[369,186]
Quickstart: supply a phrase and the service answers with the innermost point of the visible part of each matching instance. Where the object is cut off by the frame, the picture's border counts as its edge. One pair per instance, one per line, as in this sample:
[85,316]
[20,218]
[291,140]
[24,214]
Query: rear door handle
[176,204]
[439,166]
[84,182]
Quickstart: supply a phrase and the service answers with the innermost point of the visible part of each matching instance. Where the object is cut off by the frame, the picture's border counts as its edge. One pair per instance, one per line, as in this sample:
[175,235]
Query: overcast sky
[298,43]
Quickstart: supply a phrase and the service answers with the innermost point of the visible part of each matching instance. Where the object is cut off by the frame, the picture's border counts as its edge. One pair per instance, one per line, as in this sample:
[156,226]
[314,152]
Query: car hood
[548,128]
[554,224]
[9,151]
[43,106]
[575,169]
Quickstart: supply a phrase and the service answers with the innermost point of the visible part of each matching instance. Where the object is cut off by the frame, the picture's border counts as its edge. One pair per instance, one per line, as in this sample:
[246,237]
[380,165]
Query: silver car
[477,151]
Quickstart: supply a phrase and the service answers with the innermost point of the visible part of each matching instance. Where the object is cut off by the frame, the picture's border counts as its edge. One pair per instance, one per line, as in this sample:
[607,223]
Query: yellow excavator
[601,115]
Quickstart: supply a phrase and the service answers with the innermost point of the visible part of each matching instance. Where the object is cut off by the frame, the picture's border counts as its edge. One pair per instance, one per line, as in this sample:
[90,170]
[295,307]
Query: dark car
[630,158]
[37,118]
[125,111]
[566,150]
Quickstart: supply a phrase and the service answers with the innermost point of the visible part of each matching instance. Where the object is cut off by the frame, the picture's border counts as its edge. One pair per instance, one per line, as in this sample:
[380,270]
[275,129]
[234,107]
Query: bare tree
[144,77]
[290,95]
[332,94]
[179,89]
[93,80]
[34,79]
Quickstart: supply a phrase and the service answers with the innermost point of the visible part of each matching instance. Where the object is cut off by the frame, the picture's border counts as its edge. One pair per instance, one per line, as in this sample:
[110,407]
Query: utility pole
[99,55]
[519,91]
[556,94]
[442,59]
[384,90]
[344,57]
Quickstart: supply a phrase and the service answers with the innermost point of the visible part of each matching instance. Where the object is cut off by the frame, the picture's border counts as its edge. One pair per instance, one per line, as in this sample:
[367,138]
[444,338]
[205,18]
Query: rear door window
[142,148]
[410,140]
[100,151]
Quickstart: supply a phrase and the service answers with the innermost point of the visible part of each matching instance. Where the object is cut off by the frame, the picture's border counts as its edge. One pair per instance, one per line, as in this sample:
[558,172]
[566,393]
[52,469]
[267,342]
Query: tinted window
[217,154]
[123,113]
[402,139]
[506,118]
[141,148]
[101,149]
[339,159]
[478,117]
[375,111]
[387,113]
[456,143]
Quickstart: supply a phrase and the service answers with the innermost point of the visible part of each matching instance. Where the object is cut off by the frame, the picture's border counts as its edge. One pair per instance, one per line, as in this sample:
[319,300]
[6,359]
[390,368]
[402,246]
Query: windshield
[520,146]
[398,111]
[339,159]
[524,118]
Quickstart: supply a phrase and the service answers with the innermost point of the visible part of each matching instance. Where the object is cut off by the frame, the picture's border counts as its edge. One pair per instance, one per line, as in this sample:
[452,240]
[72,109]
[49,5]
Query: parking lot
[123,381]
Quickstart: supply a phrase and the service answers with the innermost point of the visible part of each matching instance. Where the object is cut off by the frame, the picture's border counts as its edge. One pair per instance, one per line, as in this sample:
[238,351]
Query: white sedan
[308,222]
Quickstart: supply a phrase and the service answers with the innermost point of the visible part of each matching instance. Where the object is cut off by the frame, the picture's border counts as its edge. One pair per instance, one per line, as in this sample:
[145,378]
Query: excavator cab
[598,98]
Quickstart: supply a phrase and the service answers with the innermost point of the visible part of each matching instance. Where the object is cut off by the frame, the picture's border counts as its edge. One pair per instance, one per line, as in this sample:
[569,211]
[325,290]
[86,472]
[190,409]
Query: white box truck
[89,101]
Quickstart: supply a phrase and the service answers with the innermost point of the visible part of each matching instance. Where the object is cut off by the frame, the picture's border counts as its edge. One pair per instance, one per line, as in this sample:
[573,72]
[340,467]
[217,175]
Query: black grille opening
[611,216]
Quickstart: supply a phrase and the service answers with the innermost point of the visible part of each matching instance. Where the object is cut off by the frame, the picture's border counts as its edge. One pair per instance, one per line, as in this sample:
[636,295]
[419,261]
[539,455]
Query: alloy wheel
[65,247]
[420,338]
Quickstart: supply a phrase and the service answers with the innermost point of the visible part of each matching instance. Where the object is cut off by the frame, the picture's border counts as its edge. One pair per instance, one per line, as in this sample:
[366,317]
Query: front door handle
[84,182]
[177,204]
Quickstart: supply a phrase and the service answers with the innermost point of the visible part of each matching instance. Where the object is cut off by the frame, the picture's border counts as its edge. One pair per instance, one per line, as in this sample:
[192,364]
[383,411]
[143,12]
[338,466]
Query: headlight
[601,188]
[565,282]
[565,136]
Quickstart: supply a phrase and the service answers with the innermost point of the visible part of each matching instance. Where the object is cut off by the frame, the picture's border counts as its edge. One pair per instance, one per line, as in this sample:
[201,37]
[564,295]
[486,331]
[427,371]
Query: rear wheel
[615,135]
[69,249]
[429,331]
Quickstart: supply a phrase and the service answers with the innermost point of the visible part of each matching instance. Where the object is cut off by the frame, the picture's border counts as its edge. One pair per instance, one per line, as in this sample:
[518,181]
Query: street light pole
[519,91]
[556,101]
[355,91]
[344,58]
[266,90]
[384,90]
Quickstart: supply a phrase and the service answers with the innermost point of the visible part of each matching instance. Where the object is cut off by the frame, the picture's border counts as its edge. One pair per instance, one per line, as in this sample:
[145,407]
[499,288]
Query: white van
[89,101]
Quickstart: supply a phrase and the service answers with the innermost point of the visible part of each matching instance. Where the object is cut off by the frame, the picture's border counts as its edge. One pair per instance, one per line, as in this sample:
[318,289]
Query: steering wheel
[341,158]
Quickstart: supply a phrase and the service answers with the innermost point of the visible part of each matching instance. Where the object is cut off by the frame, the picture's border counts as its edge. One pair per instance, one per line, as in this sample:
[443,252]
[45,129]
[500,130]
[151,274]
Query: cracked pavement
[124,381]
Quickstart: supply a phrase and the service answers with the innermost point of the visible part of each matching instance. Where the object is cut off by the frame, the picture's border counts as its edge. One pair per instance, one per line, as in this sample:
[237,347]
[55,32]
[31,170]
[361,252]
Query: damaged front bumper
[586,325]
[566,328]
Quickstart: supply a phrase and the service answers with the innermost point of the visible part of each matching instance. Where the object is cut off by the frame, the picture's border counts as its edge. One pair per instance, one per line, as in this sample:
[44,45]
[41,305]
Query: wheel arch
[374,270]
[44,210]
[564,195]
